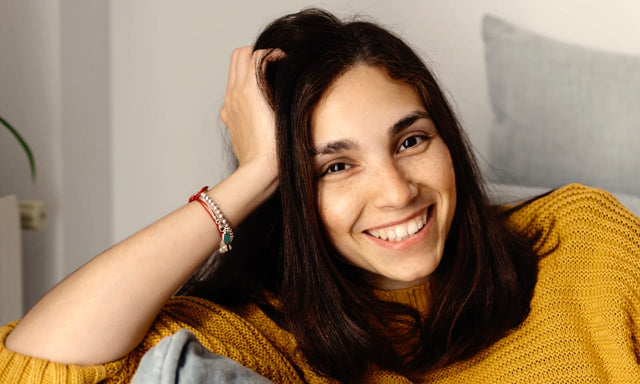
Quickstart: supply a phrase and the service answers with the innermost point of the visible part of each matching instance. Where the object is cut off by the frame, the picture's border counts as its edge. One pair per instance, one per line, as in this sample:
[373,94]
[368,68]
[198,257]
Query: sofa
[562,114]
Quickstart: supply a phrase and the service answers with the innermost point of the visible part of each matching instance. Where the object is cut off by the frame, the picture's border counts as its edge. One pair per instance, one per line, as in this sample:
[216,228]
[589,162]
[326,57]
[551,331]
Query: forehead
[363,97]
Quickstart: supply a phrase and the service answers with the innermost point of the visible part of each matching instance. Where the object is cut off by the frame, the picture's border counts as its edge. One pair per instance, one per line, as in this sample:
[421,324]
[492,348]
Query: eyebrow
[337,146]
[407,121]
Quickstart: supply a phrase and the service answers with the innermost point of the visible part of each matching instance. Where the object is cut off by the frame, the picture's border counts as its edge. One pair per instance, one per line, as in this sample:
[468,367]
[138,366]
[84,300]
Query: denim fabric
[181,359]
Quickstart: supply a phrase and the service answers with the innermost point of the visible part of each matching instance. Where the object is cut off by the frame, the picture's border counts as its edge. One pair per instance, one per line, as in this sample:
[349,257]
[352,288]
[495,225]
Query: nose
[392,186]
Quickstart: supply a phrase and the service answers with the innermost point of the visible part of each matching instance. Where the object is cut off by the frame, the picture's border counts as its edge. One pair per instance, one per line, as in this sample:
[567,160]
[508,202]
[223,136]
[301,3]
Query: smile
[401,231]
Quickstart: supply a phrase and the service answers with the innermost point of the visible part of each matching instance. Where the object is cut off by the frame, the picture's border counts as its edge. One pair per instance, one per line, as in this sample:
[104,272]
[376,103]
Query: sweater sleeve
[221,331]
[17,368]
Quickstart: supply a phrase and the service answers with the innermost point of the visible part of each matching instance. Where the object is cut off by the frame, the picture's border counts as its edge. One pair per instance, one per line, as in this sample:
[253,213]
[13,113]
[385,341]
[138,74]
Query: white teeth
[412,228]
[400,232]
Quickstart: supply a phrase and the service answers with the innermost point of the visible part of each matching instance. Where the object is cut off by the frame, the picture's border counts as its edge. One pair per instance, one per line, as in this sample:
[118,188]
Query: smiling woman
[355,243]
[386,192]
[368,146]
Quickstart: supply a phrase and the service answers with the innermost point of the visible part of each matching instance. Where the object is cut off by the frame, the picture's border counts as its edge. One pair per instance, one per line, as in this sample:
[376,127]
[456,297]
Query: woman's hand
[246,113]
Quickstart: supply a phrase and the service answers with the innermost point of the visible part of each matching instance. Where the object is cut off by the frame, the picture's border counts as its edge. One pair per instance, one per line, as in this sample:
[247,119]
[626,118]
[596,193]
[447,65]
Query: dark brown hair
[483,285]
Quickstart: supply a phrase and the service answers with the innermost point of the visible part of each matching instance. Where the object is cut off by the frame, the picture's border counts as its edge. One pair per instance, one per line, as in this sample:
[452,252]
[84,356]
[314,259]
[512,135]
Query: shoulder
[577,211]
[583,234]
[575,198]
[586,237]
[585,311]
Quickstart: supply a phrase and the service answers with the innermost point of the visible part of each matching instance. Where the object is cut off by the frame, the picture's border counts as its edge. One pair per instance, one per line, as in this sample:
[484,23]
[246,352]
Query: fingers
[232,65]
[267,56]
[242,79]
[239,72]
[238,67]
[245,62]
[245,112]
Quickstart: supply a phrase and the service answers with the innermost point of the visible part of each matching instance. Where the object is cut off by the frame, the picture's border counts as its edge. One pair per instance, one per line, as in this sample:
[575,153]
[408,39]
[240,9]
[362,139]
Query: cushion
[563,113]
[510,194]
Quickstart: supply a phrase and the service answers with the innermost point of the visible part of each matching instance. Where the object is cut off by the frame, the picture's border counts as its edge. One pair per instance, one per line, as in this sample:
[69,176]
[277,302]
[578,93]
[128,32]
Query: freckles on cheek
[334,205]
[323,205]
[440,167]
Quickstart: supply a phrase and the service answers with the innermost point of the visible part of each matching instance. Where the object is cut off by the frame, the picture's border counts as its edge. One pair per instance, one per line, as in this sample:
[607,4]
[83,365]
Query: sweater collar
[416,297]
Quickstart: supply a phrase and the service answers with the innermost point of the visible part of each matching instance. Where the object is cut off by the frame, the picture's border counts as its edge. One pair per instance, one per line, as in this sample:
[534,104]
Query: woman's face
[386,184]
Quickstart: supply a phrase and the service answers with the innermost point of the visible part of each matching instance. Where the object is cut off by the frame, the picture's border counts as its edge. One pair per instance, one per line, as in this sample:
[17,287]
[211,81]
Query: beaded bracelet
[226,234]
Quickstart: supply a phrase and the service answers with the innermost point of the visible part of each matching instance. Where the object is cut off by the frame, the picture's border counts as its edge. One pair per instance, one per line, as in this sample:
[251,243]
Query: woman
[364,246]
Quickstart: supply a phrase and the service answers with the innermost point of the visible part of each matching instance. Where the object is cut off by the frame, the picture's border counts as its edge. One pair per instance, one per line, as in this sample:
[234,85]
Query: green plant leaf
[25,146]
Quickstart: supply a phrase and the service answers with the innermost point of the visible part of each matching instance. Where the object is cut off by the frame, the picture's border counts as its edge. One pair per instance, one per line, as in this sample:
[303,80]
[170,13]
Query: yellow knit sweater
[584,325]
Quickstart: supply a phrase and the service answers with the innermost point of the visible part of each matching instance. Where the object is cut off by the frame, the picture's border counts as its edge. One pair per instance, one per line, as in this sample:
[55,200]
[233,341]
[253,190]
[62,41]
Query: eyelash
[344,166]
[330,167]
[420,139]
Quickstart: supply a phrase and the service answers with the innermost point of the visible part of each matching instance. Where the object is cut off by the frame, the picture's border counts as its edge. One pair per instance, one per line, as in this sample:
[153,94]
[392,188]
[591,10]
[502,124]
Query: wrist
[262,175]
[243,191]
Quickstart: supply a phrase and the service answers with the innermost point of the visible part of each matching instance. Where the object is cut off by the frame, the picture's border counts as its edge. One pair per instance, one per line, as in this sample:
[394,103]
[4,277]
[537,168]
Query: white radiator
[10,261]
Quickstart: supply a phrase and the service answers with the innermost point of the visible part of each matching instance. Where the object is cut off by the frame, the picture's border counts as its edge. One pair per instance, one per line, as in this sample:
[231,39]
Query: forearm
[104,309]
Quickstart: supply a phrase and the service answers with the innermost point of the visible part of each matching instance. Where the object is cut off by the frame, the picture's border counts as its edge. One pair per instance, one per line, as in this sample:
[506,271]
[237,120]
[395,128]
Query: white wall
[54,85]
[29,99]
[169,67]
[86,130]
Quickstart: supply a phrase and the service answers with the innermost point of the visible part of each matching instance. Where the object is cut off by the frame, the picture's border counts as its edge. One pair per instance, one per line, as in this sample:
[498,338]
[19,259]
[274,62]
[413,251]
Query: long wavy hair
[483,285]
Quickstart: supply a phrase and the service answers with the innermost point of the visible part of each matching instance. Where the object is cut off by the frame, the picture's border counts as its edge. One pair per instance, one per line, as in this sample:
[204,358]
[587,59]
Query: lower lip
[411,240]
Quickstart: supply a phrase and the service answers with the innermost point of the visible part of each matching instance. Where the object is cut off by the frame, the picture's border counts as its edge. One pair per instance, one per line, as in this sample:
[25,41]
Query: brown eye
[336,167]
[411,142]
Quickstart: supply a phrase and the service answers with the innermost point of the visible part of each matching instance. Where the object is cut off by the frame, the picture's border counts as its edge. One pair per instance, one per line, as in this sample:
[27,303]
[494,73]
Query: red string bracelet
[196,198]
[197,194]
[214,212]
[204,205]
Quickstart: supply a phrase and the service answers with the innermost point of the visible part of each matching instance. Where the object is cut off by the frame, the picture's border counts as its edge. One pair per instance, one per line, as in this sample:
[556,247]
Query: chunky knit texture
[583,326]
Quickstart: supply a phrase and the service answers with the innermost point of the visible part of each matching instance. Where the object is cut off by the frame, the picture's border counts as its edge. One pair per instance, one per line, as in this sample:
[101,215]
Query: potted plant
[24,145]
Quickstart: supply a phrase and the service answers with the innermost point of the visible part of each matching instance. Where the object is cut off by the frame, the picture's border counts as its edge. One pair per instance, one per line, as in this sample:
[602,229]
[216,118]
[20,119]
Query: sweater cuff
[17,368]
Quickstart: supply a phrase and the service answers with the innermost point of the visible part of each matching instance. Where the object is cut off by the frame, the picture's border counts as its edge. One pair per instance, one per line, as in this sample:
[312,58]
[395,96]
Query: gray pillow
[563,113]
[510,194]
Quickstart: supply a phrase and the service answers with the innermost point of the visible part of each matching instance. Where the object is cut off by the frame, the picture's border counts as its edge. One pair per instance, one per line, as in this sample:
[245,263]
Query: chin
[392,282]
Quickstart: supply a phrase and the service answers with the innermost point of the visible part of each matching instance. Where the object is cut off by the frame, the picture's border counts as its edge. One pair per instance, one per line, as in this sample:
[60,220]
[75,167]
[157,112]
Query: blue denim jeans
[181,359]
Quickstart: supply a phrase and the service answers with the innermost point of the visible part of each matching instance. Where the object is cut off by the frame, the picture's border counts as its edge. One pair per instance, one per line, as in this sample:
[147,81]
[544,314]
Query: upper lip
[422,211]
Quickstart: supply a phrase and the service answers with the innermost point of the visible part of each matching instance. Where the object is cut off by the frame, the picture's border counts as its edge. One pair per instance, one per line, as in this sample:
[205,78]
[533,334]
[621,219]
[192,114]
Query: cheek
[448,185]
[434,169]
[437,173]
[448,175]
[337,206]
[443,169]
